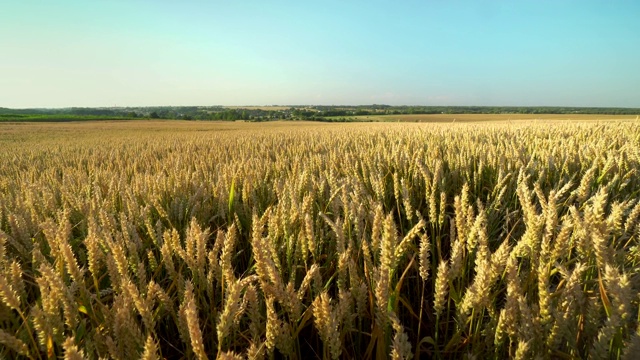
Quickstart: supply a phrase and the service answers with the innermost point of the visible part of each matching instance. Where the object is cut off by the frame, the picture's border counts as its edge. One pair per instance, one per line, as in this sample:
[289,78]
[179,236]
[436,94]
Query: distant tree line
[316,112]
[398,110]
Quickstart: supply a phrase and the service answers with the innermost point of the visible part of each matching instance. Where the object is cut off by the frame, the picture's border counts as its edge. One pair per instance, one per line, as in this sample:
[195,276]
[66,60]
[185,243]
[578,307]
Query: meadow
[485,239]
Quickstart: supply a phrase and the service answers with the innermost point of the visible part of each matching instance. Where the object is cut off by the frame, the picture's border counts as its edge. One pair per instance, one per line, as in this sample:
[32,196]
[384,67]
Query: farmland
[331,113]
[506,237]
[429,118]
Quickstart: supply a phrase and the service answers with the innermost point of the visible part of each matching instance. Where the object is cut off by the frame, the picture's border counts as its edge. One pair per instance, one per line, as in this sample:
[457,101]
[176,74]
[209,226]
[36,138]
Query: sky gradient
[194,52]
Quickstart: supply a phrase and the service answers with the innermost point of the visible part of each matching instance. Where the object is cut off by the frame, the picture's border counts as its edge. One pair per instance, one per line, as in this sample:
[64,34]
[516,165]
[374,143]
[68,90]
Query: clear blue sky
[196,52]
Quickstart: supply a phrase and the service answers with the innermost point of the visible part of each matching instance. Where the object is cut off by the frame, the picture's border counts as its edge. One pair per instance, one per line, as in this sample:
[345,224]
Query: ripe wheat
[199,240]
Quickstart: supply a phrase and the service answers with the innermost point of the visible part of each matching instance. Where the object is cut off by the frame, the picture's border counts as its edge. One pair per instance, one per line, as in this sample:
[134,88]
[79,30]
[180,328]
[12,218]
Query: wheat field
[299,240]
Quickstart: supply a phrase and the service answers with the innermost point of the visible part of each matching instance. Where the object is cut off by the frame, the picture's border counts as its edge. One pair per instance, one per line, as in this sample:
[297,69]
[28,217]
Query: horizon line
[309,105]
